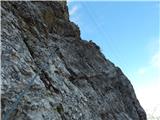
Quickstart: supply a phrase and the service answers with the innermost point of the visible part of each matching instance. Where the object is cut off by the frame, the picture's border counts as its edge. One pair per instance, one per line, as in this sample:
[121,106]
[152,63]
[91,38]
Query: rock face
[73,80]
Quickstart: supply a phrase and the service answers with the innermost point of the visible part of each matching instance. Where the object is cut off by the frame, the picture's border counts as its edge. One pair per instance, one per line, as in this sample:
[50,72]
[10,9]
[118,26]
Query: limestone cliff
[50,73]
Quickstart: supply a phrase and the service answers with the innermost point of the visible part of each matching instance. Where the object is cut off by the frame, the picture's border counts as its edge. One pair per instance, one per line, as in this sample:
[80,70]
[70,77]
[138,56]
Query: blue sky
[128,34]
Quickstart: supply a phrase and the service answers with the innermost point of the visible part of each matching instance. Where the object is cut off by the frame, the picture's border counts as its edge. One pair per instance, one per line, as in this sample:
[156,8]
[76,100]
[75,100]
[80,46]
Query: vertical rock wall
[74,81]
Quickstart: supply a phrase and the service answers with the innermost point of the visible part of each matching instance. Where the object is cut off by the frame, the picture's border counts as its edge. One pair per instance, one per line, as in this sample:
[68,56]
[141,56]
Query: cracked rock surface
[74,81]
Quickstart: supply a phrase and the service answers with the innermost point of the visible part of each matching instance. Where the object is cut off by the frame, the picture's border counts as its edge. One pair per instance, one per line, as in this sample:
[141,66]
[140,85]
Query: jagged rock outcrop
[74,80]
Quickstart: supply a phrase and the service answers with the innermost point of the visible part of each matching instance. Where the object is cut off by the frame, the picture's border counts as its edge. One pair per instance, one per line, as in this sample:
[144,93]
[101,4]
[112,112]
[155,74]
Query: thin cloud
[142,71]
[156,60]
[150,94]
[73,10]
[153,64]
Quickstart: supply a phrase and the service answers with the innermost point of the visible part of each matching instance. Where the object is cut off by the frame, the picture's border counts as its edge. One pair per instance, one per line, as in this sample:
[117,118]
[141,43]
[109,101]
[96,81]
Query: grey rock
[74,80]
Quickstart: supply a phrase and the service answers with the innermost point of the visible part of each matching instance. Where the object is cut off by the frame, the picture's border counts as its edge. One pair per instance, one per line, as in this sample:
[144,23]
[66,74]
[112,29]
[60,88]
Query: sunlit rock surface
[74,80]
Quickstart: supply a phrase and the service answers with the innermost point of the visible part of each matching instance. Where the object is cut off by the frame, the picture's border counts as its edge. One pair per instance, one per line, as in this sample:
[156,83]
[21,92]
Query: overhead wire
[103,33]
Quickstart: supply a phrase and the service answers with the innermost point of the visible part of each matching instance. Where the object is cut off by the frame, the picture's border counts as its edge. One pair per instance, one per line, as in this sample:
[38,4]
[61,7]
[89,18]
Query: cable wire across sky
[102,32]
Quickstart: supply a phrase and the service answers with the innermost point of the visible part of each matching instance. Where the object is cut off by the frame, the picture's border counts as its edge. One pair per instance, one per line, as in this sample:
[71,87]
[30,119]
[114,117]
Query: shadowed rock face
[74,80]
